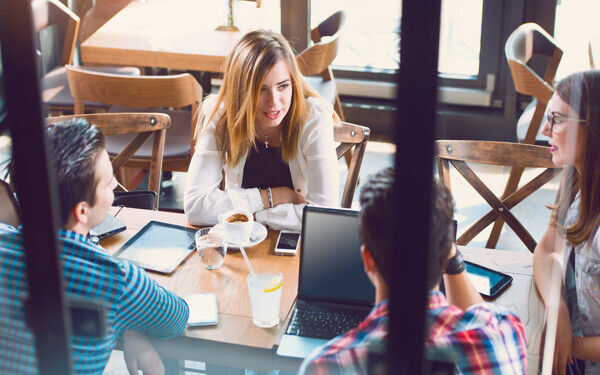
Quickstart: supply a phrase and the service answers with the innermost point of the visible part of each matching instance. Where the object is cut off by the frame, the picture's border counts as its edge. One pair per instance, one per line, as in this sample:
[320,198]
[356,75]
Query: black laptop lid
[331,268]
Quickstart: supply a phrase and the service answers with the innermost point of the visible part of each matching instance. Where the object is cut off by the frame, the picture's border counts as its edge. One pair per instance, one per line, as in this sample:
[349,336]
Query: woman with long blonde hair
[269,134]
[573,235]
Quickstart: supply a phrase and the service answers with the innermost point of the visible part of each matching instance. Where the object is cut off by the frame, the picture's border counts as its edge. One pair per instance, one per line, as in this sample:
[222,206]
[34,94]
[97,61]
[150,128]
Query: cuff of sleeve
[246,199]
[255,200]
[261,216]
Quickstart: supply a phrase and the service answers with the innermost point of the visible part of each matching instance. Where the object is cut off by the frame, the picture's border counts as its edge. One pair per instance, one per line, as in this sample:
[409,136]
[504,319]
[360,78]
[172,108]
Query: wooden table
[177,34]
[521,297]
[236,342]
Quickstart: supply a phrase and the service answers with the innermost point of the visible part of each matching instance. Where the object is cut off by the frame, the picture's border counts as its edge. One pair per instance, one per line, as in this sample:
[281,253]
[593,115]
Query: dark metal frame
[416,103]
[47,315]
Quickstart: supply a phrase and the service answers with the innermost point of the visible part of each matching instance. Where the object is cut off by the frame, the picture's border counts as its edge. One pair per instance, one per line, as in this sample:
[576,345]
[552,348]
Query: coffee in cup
[237,225]
[237,218]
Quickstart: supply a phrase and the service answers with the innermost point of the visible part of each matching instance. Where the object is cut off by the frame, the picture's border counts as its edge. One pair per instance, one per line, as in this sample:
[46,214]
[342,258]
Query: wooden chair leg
[511,187]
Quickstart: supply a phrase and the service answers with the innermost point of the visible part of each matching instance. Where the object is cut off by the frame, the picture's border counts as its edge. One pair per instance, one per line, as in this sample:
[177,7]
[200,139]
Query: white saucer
[259,233]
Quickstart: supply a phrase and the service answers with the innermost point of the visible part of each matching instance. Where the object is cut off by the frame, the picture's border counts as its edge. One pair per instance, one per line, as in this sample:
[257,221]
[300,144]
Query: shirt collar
[381,309]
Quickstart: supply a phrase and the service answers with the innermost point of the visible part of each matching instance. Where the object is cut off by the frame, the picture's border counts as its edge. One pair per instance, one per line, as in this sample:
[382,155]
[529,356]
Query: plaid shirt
[347,353]
[485,339]
[131,301]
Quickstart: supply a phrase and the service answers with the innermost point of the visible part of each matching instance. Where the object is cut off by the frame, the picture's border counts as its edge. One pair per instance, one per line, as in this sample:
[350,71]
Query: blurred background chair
[315,61]
[57,28]
[459,153]
[351,137]
[141,127]
[165,94]
[526,42]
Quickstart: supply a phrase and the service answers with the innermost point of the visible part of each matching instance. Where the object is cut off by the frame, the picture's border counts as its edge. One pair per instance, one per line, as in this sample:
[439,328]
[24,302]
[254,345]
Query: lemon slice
[273,284]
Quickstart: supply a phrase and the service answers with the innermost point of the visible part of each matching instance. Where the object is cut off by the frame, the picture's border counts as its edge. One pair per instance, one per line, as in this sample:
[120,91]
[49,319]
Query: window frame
[489,62]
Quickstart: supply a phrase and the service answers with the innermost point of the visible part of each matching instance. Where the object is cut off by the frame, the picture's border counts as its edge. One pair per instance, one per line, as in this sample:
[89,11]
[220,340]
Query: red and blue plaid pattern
[347,353]
[485,339]
[131,300]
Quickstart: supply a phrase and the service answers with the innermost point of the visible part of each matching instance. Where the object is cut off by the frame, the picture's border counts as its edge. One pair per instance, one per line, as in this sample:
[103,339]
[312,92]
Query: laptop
[334,293]
[108,227]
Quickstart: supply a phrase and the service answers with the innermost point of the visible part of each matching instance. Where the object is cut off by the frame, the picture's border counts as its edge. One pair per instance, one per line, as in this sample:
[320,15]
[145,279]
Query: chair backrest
[9,207]
[144,125]
[174,91]
[317,58]
[351,136]
[519,155]
[527,41]
[48,14]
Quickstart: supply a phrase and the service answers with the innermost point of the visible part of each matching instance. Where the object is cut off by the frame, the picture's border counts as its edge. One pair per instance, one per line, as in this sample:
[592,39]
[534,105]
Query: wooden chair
[9,207]
[527,41]
[316,59]
[145,94]
[141,126]
[351,136]
[459,153]
[57,29]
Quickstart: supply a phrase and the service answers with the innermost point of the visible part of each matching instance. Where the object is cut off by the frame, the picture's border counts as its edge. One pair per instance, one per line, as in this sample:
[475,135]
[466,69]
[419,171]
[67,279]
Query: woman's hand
[563,348]
[140,354]
[283,194]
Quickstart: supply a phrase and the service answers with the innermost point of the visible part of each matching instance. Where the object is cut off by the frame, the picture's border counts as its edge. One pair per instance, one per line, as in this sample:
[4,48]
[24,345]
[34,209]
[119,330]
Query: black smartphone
[488,282]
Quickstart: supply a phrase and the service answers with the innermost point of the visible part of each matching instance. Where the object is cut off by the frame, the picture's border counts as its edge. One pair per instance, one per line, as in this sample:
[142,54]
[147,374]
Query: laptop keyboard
[322,324]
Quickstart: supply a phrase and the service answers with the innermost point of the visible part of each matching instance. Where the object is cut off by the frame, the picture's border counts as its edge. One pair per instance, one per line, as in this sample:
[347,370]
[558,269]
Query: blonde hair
[245,71]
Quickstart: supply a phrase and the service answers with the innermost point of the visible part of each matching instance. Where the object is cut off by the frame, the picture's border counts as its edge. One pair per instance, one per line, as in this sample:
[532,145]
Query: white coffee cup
[237,225]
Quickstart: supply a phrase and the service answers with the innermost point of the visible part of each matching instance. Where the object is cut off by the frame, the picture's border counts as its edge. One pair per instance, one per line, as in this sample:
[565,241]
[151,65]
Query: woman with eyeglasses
[271,137]
[573,237]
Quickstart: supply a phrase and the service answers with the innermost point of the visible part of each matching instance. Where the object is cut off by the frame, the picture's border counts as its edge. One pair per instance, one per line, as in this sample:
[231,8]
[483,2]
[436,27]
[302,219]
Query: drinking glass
[212,248]
[265,296]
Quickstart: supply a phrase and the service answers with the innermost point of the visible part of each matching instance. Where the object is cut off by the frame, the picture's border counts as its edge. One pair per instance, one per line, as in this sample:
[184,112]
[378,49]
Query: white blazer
[314,173]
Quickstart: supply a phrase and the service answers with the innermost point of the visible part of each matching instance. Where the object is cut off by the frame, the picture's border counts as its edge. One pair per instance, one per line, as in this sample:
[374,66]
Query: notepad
[159,246]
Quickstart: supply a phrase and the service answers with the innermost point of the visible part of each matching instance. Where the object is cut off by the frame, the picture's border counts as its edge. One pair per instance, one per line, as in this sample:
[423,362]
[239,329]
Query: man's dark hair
[441,233]
[75,148]
[374,219]
[374,223]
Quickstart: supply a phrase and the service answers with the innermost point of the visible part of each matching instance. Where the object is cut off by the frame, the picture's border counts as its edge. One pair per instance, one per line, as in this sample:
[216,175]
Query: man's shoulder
[485,331]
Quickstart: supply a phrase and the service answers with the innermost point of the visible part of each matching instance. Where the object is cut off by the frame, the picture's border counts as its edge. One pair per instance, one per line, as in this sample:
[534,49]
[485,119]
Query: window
[369,50]
[575,41]
[460,37]
[371,38]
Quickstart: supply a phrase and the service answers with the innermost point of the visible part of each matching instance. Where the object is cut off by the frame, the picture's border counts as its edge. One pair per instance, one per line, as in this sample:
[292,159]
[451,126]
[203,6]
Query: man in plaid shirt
[481,337]
[134,304]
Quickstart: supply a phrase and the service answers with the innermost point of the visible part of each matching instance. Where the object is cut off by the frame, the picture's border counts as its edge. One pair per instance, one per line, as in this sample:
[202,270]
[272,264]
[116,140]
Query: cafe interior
[451,89]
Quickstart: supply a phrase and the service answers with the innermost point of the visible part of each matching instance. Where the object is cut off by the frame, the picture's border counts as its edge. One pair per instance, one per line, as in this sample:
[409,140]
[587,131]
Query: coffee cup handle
[220,218]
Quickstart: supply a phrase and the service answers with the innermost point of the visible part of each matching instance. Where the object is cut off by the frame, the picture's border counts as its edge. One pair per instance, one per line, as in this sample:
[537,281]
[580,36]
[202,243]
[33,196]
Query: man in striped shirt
[481,338]
[134,304]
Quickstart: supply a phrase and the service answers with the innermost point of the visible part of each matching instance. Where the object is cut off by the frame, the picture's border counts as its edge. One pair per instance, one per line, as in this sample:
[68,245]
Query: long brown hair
[582,92]
[245,71]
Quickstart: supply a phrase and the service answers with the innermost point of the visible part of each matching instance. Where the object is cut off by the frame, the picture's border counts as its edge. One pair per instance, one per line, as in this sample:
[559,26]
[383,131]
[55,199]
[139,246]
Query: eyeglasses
[558,120]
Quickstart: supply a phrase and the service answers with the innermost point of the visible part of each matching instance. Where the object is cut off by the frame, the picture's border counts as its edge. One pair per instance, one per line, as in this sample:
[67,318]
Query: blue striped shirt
[131,299]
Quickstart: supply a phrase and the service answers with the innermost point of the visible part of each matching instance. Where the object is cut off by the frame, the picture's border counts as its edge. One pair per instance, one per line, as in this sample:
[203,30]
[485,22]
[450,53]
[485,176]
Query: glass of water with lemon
[265,296]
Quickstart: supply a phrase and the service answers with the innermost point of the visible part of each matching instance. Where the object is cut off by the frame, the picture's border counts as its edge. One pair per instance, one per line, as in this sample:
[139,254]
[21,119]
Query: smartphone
[287,243]
[203,309]
[488,282]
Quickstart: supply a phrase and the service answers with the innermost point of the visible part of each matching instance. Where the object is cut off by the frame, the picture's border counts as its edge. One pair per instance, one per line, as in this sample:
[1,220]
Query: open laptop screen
[331,267]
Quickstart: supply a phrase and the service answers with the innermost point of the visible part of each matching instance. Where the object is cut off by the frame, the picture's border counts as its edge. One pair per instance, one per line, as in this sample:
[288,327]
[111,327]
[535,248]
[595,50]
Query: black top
[265,168]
